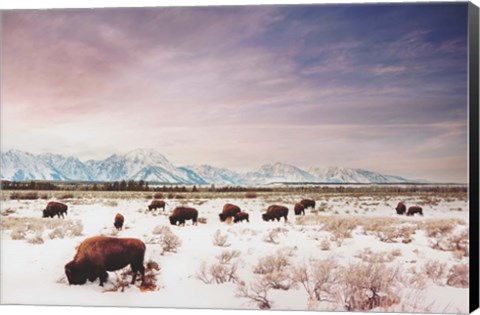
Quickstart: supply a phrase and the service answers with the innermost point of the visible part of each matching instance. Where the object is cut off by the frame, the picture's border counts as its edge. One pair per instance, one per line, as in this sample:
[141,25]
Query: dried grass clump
[202,220]
[24,195]
[325,245]
[66,196]
[274,234]
[111,203]
[251,194]
[435,271]
[37,239]
[367,255]
[21,227]
[220,240]
[7,212]
[458,276]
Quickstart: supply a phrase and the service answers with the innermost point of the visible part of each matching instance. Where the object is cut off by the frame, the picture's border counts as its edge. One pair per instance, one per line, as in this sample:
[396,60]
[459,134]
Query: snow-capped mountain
[17,165]
[217,175]
[150,165]
[70,167]
[349,175]
[279,172]
[140,164]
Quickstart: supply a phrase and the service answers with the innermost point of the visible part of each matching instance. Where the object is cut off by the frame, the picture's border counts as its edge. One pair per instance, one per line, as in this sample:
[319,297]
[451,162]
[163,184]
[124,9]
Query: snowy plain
[34,273]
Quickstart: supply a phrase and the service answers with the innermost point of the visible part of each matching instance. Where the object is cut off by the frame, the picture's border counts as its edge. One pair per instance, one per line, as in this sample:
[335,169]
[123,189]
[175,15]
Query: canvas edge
[473,34]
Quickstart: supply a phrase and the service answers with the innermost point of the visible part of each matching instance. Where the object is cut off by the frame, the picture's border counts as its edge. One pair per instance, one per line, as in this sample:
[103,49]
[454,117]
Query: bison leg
[138,268]
[103,275]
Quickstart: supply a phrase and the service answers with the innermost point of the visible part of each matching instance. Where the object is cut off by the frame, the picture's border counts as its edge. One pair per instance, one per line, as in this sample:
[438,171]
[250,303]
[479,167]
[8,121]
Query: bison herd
[99,254]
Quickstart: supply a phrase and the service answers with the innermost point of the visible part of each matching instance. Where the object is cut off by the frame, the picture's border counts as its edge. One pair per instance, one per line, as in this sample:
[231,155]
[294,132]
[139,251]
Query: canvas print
[284,157]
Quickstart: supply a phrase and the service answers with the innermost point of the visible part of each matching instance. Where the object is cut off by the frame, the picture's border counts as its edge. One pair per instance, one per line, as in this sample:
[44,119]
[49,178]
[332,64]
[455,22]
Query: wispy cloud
[234,86]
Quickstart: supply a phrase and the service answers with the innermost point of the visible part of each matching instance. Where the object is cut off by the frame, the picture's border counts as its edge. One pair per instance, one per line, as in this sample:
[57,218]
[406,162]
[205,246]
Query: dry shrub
[24,195]
[220,240]
[158,195]
[124,277]
[318,279]
[21,227]
[152,269]
[37,239]
[202,220]
[224,270]
[458,276]
[367,255]
[435,271]
[7,212]
[272,263]
[365,286]
[111,203]
[66,196]
[273,235]
[166,238]
[440,227]
[250,194]
[256,292]
[325,245]
[395,234]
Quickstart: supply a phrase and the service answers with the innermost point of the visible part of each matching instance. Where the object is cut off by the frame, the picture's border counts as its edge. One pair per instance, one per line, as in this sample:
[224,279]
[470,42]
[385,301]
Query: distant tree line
[141,185]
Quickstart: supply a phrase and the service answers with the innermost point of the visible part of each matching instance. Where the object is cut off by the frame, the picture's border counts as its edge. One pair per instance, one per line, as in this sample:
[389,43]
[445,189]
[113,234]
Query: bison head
[222,216]
[173,220]
[45,214]
[266,217]
[76,274]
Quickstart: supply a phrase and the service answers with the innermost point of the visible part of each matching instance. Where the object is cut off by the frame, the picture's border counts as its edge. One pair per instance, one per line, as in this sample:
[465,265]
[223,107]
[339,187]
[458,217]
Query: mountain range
[149,165]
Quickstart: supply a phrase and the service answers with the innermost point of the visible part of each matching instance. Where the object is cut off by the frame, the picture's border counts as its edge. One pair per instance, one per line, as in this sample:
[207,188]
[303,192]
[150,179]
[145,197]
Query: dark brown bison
[307,203]
[275,212]
[229,210]
[55,209]
[181,214]
[157,204]
[241,216]
[401,208]
[118,223]
[414,209]
[99,254]
[299,209]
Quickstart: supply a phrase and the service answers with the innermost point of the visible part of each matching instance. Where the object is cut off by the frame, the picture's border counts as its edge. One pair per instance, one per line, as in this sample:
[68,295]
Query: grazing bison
[307,203]
[275,212]
[414,209]
[55,209]
[155,204]
[118,223]
[99,254]
[241,216]
[181,214]
[401,208]
[228,211]
[299,209]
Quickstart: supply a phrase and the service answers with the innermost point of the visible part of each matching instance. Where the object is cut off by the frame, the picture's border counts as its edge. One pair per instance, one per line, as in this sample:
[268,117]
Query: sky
[379,87]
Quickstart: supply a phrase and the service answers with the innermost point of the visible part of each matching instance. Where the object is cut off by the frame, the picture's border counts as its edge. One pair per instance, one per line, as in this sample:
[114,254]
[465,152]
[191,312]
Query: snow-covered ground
[33,272]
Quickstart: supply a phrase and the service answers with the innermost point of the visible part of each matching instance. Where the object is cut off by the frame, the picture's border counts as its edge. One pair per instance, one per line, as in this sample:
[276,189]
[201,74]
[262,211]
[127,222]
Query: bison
[99,254]
[299,209]
[401,208]
[229,210]
[181,214]
[118,223]
[241,216]
[414,209]
[55,209]
[307,203]
[155,204]
[275,212]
